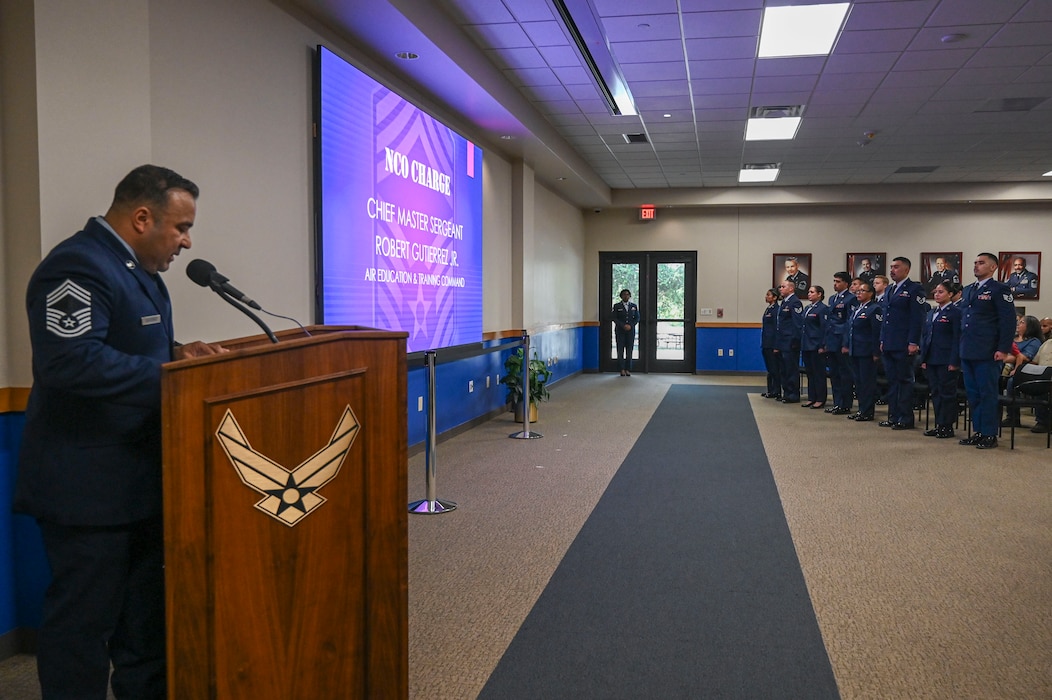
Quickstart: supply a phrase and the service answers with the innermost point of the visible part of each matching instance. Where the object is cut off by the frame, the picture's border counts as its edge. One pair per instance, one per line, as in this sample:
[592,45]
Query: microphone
[204,273]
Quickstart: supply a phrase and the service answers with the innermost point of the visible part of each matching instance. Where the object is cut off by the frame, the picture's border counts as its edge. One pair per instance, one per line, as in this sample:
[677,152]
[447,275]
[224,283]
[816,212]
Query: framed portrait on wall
[795,267]
[866,266]
[1021,272]
[939,267]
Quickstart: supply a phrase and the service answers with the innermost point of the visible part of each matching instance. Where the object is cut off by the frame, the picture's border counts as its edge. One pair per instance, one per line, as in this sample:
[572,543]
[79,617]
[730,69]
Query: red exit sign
[647,212]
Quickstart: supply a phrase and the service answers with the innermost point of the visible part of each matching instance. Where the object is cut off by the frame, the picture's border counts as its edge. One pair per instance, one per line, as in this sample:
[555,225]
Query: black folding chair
[1033,393]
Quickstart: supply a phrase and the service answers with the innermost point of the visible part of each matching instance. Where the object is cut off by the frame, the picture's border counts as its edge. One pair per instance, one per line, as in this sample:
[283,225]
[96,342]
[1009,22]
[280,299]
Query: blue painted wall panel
[710,341]
[750,359]
[24,573]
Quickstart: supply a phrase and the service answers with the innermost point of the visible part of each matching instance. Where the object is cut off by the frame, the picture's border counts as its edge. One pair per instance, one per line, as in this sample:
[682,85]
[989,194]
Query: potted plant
[539,376]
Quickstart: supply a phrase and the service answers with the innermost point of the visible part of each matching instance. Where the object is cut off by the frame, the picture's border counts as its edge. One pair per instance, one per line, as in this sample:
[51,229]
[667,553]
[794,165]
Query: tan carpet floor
[929,564]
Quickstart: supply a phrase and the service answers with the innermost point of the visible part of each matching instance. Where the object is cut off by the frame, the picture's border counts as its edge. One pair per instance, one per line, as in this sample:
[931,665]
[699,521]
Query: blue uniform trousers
[772,363]
[815,367]
[842,380]
[105,604]
[942,382]
[898,365]
[981,383]
[790,368]
[865,370]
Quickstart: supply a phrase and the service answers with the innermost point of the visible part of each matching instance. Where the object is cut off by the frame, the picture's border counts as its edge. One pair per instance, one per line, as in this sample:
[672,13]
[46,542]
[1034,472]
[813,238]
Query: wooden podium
[285,519]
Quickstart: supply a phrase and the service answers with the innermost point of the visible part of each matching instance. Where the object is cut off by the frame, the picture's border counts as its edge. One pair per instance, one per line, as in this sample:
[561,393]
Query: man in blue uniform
[100,325]
[987,329]
[900,335]
[626,317]
[841,305]
[1022,281]
[787,341]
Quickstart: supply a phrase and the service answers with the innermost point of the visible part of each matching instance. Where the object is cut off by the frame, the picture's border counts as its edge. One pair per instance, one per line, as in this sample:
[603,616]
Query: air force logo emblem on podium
[288,495]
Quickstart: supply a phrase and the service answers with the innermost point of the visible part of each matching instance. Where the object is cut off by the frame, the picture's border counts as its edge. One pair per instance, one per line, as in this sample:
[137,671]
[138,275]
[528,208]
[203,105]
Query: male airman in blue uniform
[787,341]
[987,330]
[841,305]
[100,324]
[900,335]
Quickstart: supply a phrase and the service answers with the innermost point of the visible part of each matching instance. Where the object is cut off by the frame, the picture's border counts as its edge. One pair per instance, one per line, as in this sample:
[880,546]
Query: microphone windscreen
[200,271]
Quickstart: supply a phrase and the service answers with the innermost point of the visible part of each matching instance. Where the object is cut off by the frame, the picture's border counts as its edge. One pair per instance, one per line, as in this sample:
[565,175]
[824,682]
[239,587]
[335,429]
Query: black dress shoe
[1011,422]
[902,426]
[839,411]
[817,406]
[864,418]
[887,423]
[973,440]
[1039,428]
[934,432]
[882,402]
[806,405]
[945,433]
[987,443]
[831,409]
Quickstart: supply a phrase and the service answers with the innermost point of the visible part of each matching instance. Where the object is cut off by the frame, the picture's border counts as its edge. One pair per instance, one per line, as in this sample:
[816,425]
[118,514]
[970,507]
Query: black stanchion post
[430,504]
[525,433]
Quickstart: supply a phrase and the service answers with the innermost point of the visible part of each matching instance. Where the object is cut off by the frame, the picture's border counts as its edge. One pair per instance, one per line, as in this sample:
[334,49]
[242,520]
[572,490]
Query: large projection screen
[399,198]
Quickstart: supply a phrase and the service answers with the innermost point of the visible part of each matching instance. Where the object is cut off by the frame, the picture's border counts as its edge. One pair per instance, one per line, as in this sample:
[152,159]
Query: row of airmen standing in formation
[969,331]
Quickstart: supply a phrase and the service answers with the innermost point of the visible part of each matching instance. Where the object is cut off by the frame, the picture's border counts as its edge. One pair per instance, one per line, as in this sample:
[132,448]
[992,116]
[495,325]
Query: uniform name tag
[150,320]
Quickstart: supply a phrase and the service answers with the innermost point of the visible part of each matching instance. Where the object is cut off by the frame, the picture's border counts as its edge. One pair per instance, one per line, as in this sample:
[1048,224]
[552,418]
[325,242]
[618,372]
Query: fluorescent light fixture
[801,30]
[780,129]
[759,172]
[1048,174]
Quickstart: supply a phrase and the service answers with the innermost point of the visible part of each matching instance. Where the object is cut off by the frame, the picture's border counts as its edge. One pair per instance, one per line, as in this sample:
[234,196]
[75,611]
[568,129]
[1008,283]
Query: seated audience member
[1044,359]
[1024,349]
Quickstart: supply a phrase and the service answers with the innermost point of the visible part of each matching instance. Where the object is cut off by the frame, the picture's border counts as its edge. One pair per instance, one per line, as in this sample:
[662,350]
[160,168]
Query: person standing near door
[626,317]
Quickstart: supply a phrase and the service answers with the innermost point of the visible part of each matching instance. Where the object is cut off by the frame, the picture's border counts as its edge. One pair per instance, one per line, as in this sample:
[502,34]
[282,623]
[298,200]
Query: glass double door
[664,285]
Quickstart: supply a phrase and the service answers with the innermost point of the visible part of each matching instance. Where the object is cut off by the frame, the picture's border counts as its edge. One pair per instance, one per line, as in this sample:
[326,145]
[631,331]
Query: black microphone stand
[245,310]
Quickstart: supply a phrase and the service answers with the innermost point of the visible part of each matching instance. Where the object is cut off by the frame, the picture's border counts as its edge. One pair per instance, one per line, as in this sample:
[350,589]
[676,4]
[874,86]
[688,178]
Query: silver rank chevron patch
[69,310]
[289,495]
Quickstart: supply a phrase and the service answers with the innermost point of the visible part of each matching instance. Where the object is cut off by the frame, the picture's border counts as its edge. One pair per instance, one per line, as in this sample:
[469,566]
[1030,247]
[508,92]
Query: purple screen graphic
[401,214]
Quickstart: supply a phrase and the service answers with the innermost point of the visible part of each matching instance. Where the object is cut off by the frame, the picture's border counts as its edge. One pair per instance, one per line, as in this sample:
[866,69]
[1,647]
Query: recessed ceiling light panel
[801,30]
[759,172]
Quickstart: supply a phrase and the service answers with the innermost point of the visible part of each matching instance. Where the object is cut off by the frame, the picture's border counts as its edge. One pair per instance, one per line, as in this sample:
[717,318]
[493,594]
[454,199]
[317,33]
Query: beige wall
[553,294]
[735,245]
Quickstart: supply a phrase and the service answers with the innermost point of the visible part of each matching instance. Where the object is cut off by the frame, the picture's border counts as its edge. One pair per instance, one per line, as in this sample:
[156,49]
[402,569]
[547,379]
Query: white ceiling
[508,68]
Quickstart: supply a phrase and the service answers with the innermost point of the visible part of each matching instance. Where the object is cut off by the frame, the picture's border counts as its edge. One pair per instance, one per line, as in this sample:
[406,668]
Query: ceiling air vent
[776,112]
[914,169]
[635,138]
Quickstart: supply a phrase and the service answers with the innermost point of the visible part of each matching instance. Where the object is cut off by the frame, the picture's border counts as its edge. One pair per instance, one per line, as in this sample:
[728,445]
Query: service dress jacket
[790,324]
[904,312]
[841,306]
[941,339]
[987,320]
[813,336]
[769,326]
[625,314]
[863,334]
[100,328]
